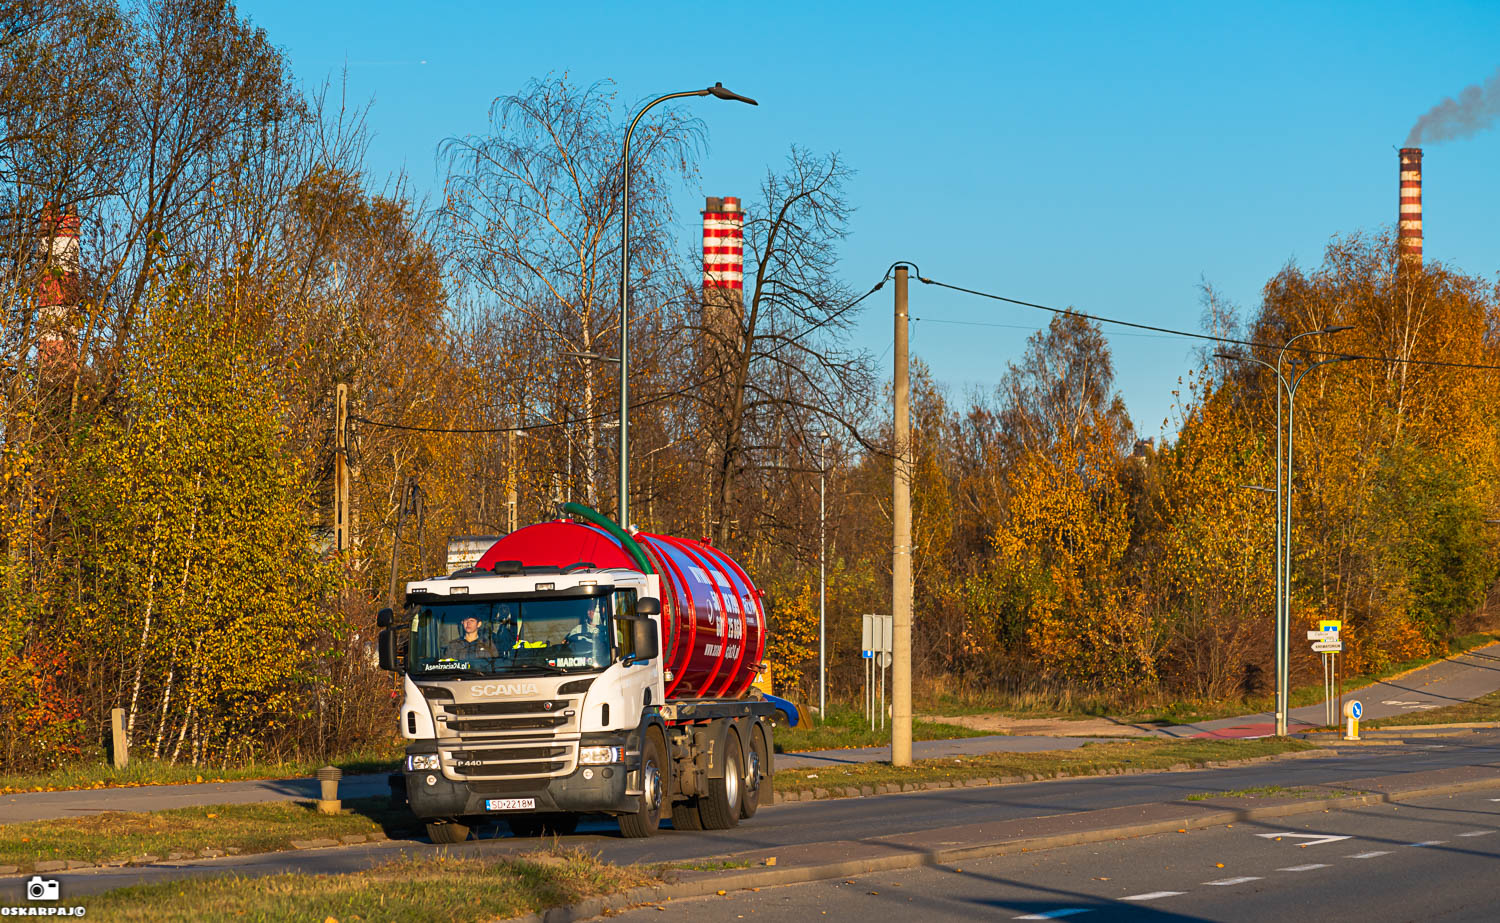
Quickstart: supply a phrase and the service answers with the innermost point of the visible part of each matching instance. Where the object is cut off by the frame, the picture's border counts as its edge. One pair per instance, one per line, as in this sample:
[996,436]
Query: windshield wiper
[545,667]
[455,671]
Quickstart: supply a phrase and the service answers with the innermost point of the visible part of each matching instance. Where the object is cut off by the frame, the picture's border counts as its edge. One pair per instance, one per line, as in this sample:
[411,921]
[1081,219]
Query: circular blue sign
[1356,709]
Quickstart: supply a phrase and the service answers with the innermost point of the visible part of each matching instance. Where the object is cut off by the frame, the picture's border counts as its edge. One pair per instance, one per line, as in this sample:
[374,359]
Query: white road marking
[1477,833]
[1234,881]
[1369,855]
[1428,843]
[1152,895]
[1054,914]
[1304,868]
[1313,839]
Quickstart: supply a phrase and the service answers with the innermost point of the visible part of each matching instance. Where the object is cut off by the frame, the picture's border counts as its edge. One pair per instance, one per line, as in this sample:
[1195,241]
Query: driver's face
[471,624]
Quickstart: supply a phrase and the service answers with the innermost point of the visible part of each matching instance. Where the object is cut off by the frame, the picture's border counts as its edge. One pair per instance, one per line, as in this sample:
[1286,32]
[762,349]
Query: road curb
[916,858]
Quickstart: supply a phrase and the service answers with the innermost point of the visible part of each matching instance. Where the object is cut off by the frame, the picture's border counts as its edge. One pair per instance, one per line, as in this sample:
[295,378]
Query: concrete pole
[901,585]
[822,579]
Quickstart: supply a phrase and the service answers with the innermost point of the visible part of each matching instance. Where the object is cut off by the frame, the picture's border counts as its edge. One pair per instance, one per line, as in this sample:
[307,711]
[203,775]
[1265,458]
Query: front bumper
[586,790]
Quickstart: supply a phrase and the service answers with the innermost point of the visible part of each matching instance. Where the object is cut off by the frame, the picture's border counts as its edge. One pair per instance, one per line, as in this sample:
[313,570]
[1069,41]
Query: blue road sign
[1356,709]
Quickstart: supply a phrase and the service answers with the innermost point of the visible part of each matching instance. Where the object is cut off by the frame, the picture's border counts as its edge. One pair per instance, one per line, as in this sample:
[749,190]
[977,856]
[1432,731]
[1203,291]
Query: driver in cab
[471,644]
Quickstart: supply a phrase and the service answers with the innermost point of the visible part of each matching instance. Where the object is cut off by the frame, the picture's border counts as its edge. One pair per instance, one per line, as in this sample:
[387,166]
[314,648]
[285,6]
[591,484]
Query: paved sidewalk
[26,806]
[1461,678]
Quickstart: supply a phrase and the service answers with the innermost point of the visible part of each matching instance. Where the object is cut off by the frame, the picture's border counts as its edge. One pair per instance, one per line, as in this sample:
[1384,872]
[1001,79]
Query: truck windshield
[563,635]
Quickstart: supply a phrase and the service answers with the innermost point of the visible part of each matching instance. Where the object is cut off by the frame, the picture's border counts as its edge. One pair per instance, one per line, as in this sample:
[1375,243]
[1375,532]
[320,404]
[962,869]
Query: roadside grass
[122,837]
[438,888]
[1484,708]
[156,772]
[1189,711]
[1104,757]
[1258,791]
[847,727]
[707,865]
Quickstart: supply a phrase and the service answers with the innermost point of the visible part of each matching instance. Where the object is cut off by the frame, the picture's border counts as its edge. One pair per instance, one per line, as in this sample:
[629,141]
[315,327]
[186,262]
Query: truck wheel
[685,815]
[757,787]
[447,831]
[527,825]
[720,808]
[647,820]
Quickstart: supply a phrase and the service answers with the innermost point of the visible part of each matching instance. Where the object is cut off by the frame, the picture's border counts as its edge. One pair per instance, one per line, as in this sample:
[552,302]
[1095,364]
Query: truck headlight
[598,756]
[422,762]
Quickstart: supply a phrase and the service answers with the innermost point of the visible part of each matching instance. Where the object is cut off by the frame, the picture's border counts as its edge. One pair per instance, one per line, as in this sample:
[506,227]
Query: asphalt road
[1434,859]
[822,821]
[1467,676]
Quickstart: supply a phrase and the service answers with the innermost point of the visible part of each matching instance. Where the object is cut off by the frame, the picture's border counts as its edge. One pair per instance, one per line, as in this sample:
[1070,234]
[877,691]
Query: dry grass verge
[121,837]
[441,888]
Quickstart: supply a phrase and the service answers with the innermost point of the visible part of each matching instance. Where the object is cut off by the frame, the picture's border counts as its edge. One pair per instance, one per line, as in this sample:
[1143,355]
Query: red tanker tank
[713,624]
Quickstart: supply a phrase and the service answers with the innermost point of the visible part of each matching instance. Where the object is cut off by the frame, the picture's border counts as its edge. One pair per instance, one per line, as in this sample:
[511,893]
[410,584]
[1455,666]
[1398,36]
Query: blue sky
[1106,156]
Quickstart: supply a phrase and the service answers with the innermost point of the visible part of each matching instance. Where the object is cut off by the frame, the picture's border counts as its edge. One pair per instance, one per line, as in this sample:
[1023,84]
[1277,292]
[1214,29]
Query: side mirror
[648,605]
[646,637]
[384,617]
[387,646]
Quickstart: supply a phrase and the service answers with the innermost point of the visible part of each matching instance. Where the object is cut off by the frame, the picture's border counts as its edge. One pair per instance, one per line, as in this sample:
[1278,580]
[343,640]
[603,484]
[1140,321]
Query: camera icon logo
[41,889]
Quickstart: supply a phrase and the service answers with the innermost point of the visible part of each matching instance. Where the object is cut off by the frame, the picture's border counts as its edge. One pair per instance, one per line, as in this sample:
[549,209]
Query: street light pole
[1284,518]
[623,508]
[822,577]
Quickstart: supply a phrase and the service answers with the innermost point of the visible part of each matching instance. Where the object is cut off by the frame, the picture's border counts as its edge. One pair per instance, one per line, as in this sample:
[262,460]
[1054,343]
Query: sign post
[1328,641]
[876,637]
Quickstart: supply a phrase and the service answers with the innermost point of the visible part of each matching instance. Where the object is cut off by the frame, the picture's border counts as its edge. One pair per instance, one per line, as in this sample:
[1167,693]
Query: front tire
[720,808]
[447,831]
[647,820]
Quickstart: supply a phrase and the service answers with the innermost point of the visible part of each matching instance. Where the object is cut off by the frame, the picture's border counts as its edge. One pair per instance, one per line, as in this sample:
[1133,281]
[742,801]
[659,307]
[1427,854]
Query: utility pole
[341,532]
[822,576]
[901,545]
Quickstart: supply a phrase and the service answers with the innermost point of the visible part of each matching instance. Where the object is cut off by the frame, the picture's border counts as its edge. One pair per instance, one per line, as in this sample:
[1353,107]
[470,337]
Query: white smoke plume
[1476,109]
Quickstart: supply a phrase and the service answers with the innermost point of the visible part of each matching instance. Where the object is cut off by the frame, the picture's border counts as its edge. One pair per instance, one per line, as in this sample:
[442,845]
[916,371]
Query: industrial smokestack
[1409,224]
[723,247]
[57,295]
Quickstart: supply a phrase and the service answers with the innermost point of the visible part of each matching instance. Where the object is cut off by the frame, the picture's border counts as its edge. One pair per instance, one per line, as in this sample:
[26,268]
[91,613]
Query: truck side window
[624,610]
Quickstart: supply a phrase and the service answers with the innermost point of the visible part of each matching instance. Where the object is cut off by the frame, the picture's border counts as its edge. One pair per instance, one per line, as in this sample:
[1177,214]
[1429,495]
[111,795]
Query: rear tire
[447,831]
[647,820]
[720,808]
[685,815]
[757,784]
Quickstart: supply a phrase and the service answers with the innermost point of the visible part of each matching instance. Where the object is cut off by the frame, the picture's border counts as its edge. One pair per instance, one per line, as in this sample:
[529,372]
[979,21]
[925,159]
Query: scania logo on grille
[546,706]
[502,689]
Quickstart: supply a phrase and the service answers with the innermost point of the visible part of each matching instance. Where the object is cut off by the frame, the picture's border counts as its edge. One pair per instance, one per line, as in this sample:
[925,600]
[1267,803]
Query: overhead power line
[1254,344]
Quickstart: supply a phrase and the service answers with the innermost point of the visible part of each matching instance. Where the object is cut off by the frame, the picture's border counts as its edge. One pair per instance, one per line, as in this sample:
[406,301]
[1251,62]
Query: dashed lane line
[1054,914]
[1304,868]
[1234,881]
[1152,895]
[1477,833]
[1427,843]
[1369,855]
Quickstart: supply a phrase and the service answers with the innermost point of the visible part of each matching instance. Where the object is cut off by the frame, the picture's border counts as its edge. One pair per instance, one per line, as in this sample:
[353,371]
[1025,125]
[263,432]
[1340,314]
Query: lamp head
[1338,329]
[718,90]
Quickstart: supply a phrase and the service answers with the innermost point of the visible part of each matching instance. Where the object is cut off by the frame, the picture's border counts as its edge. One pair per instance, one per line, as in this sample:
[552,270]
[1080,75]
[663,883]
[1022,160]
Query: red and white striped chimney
[1409,225]
[57,294]
[724,246]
